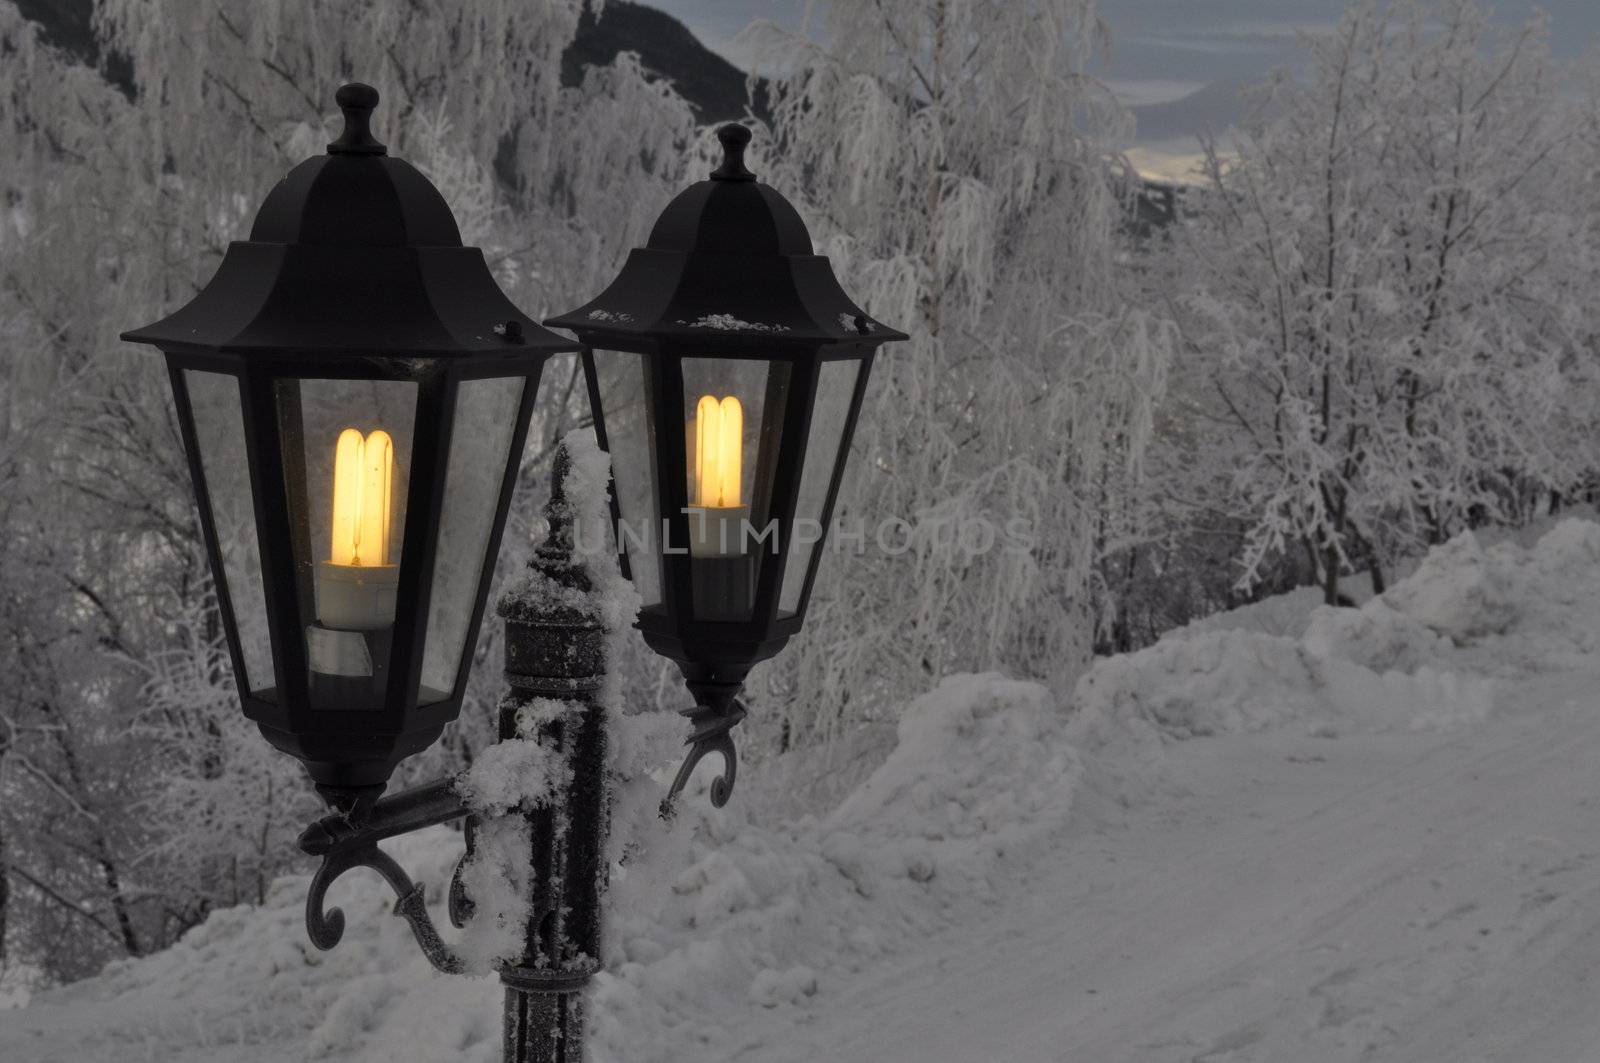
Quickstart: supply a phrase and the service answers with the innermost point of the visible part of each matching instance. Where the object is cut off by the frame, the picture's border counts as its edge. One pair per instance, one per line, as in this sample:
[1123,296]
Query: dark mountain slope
[714,87]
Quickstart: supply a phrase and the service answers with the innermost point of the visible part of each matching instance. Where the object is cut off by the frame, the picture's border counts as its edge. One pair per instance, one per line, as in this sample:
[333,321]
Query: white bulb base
[356,597]
[718,531]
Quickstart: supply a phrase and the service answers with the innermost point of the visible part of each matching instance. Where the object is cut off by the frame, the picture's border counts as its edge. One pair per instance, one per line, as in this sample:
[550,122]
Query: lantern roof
[353,252]
[729,261]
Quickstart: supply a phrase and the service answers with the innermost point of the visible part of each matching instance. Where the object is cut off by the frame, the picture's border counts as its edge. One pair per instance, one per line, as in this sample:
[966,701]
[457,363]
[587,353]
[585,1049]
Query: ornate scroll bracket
[460,905]
[344,845]
[711,734]
[325,927]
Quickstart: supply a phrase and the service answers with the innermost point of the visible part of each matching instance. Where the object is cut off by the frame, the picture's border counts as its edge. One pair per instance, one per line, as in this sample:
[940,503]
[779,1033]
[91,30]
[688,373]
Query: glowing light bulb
[363,480]
[718,452]
[717,509]
[356,585]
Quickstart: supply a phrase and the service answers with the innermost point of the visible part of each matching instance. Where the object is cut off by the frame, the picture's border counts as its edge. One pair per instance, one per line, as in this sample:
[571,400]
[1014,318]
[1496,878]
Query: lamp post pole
[555,665]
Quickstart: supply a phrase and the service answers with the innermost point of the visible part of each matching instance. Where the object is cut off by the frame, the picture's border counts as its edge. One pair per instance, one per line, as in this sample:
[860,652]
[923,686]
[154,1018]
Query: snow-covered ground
[1349,835]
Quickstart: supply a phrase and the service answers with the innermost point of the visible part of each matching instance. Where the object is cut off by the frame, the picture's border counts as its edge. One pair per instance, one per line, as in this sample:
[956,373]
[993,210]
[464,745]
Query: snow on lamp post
[353,390]
[726,368]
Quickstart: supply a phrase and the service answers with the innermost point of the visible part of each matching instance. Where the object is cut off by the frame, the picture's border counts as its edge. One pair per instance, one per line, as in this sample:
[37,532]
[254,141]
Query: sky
[1183,57]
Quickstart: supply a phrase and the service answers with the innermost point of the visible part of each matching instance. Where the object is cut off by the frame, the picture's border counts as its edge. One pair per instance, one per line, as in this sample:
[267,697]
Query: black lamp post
[354,390]
[726,368]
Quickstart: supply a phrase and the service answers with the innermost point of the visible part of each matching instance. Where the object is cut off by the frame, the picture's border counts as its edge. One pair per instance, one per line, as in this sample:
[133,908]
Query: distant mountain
[713,87]
[67,25]
[1211,109]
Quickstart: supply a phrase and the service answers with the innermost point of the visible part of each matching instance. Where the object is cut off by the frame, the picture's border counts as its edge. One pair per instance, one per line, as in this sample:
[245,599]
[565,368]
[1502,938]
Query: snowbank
[706,909]
[726,931]
[726,909]
[1423,655]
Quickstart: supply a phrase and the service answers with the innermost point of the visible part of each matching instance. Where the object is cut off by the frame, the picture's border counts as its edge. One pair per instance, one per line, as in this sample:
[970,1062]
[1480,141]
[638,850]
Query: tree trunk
[102,846]
[5,881]
[119,904]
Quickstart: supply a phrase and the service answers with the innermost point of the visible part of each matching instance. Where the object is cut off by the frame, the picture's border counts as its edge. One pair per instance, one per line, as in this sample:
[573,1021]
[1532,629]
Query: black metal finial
[555,555]
[557,559]
[357,101]
[560,468]
[735,138]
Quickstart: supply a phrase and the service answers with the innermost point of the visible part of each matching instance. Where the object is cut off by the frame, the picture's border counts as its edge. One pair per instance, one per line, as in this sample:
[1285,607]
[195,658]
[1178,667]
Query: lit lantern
[726,369]
[354,391]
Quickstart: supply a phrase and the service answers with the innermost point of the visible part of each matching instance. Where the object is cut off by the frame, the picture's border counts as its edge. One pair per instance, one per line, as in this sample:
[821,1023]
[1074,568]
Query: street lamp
[353,390]
[726,368]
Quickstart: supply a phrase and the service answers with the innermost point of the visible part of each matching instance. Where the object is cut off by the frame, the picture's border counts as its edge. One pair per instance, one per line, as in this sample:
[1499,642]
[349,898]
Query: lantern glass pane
[225,464]
[733,425]
[480,446]
[830,415]
[347,452]
[623,380]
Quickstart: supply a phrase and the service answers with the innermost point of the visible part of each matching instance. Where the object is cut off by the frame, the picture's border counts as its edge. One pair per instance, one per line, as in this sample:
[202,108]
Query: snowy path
[1381,897]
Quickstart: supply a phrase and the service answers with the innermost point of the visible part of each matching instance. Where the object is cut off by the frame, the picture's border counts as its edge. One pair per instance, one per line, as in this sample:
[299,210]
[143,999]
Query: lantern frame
[726,649]
[355,747]
[728,273]
[354,271]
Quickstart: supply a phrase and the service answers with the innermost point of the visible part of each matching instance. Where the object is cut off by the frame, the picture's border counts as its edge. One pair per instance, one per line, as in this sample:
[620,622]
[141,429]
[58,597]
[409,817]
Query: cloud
[1277,31]
[1142,92]
[1240,38]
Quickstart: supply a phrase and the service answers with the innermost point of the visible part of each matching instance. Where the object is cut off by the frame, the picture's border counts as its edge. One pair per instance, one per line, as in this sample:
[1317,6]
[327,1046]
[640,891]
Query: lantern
[353,390]
[726,368]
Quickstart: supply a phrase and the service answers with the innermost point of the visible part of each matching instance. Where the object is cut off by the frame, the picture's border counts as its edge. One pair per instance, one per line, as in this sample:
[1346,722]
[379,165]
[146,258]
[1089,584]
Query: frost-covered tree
[113,209]
[1382,292]
[233,813]
[72,465]
[952,158]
